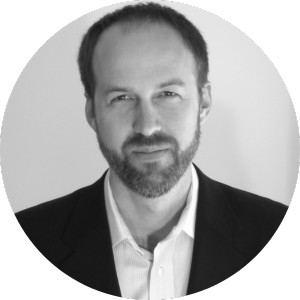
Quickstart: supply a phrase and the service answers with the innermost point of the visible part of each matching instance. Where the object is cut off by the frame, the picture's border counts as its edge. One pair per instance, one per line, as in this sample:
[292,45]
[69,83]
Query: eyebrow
[174,81]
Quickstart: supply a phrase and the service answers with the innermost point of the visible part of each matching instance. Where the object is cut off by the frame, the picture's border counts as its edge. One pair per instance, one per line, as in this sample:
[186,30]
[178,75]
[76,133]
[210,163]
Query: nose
[146,119]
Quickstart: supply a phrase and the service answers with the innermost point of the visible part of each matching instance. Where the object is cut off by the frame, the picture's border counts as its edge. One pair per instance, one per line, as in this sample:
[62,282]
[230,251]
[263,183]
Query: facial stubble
[152,180]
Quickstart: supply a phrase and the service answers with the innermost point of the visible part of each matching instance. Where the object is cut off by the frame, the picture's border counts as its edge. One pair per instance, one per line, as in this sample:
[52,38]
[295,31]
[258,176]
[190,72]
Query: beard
[152,179]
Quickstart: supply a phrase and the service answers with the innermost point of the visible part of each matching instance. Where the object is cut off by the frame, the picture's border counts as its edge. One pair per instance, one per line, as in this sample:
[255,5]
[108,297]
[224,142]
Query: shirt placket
[161,285]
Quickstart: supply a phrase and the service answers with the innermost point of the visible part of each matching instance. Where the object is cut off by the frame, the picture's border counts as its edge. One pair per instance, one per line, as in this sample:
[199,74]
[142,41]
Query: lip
[148,154]
[151,149]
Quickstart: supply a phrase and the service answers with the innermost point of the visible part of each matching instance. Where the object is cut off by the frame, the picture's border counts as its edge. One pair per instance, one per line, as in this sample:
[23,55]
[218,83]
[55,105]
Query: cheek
[112,129]
[186,132]
[182,125]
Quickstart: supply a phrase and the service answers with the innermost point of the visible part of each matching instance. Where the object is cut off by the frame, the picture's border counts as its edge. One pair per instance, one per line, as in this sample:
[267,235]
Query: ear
[90,114]
[206,102]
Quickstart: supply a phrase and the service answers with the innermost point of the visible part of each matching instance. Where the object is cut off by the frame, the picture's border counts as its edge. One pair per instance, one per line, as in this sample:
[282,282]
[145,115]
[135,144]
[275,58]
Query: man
[153,226]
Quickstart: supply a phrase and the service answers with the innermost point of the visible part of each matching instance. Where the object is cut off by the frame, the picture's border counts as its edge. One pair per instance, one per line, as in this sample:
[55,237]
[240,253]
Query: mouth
[150,153]
[151,149]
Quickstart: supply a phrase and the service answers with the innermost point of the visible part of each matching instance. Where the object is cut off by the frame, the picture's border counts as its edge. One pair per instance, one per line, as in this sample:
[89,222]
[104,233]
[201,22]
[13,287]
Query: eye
[121,98]
[168,94]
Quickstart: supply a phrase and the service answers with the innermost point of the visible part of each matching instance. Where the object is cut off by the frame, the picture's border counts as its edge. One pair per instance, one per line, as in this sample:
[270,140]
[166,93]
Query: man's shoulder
[259,218]
[53,215]
[46,222]
[242,201]
[256,215]
[246,203]
[248,220]
[54,208]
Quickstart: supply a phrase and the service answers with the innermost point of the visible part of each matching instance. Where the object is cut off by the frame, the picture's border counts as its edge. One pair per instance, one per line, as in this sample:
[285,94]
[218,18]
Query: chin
[151,169]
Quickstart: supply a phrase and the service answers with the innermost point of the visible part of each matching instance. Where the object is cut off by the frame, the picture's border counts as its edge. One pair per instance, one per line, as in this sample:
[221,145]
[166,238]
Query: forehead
[140,49]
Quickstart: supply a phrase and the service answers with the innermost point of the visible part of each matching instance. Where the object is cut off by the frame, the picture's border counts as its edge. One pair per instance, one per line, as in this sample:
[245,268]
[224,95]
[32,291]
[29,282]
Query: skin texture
[147,91]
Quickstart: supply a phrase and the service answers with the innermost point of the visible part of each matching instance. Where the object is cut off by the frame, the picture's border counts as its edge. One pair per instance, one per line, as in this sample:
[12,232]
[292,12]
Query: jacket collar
[91,259]
[214,208]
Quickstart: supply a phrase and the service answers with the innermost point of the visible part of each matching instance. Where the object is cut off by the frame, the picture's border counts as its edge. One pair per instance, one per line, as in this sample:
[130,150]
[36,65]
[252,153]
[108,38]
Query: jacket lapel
[91,261]
[214,259]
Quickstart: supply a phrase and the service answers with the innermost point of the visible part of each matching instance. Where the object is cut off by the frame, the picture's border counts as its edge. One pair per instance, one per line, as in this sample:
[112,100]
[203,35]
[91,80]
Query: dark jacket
[232,227]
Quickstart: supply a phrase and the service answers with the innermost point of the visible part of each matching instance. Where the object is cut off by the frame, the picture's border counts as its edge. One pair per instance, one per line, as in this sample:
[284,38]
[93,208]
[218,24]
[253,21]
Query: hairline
[127,26]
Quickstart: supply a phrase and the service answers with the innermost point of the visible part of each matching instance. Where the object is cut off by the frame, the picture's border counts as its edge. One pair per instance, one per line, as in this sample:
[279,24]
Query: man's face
[147,110]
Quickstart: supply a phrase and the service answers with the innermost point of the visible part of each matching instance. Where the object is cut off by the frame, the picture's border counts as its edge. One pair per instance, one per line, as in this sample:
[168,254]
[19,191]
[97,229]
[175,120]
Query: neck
[150,220]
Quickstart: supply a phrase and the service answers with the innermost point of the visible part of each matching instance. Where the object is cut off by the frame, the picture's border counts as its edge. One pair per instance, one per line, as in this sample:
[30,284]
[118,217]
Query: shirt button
[161,271]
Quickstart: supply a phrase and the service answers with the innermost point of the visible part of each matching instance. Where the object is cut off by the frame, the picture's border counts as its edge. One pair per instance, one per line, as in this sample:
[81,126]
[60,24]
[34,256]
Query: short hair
[142,12]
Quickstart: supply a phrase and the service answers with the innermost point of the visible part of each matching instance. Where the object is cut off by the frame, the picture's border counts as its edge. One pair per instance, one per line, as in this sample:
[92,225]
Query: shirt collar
[119,230]
[188,216]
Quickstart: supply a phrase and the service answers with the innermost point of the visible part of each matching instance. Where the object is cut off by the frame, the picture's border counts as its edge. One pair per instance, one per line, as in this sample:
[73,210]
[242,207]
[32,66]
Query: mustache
[156,139]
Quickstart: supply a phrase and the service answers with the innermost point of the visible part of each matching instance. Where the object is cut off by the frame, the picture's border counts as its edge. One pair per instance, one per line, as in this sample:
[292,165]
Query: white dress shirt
[163,274]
